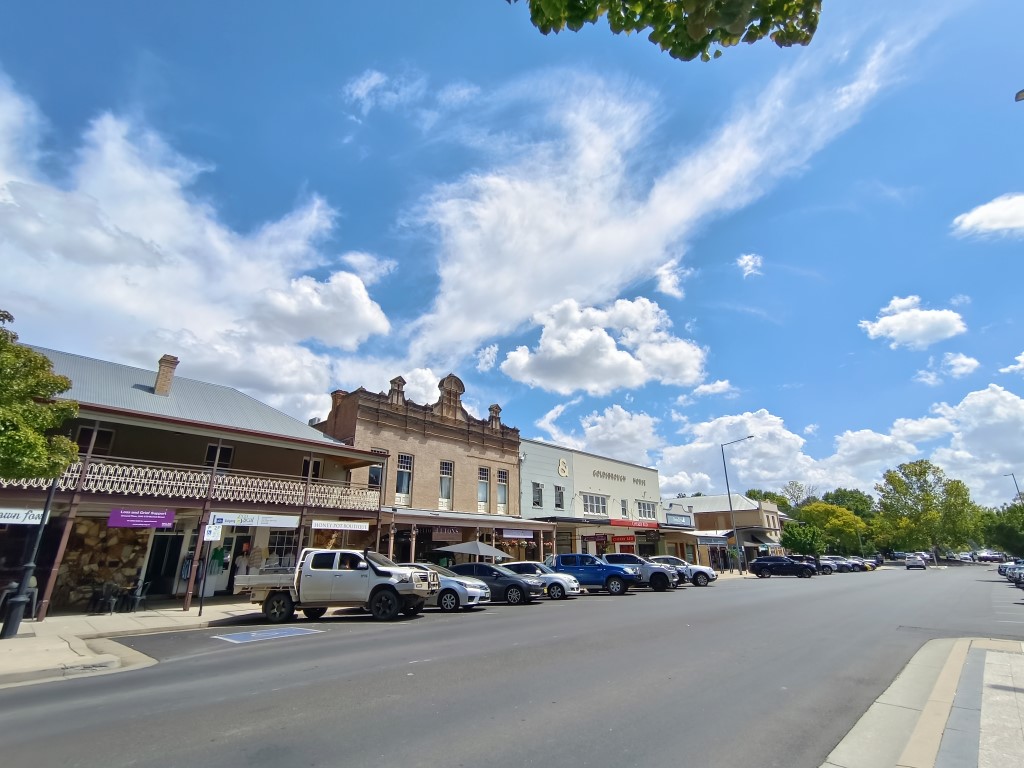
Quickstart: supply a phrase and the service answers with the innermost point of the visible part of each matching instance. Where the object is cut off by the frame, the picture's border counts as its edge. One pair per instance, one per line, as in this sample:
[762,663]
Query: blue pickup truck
[594,573]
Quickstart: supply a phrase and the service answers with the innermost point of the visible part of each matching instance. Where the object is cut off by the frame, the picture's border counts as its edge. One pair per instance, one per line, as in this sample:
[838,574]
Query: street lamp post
[1019,499]
[732,513]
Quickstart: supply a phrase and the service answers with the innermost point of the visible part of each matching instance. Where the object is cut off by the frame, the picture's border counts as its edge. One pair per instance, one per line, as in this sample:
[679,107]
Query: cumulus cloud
[720,387]
[956,365]
[621,434]
[369,268]
[750,264]
[670,276]
[1004,215]
[600,350]
[905,324]
[811,429]
[1016,367]
[960,300]
[134,244]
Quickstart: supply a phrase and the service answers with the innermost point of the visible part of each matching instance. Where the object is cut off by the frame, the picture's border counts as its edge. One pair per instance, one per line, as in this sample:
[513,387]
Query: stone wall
[97,554]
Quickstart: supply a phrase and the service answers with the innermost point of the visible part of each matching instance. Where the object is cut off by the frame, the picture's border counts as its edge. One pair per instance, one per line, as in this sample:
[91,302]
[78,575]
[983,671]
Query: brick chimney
[165,375]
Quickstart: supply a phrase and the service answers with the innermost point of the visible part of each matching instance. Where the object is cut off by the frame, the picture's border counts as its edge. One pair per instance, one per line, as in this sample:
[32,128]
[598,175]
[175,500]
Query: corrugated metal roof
[113,385]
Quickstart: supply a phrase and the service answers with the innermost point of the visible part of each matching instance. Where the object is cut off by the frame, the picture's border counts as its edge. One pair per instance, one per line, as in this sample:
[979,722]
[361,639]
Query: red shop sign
[623,539]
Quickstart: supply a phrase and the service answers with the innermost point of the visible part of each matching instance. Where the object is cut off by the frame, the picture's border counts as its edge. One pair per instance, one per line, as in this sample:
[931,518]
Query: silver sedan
[456,591]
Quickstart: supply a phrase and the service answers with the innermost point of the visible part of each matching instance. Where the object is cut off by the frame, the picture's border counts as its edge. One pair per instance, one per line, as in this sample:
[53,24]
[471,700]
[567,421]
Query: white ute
[339,578]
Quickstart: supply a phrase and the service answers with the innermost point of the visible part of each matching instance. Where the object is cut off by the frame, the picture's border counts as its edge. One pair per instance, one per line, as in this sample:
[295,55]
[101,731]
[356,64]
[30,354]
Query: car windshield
[543,568]
[378,559]
[431,567]
[504,571]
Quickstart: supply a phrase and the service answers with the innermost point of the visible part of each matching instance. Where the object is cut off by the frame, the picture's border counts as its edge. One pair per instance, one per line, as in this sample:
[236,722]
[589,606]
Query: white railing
[183,482]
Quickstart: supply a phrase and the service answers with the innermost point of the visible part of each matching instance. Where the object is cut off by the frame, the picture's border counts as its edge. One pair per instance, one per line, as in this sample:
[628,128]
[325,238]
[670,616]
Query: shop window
[104,441]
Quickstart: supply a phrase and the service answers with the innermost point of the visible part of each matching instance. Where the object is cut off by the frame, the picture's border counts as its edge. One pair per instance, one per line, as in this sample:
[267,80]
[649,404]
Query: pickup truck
[655,575]
[594,573]
[339,578]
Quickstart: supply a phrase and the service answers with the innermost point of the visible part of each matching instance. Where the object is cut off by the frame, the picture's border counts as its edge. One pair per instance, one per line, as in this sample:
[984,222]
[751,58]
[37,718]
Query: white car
[698,575]
[456,591]
[557,586]
[916,561]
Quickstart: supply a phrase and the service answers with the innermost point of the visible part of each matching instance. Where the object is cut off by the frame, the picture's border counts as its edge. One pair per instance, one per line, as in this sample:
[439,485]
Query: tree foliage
[803,539]
[687,29]
[919,507]
[858,502]
[29,413]
[798,493]
[1004,528]
[838,524]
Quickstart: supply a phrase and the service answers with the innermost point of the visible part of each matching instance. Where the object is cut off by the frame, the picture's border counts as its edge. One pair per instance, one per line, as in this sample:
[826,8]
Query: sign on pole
[213,532]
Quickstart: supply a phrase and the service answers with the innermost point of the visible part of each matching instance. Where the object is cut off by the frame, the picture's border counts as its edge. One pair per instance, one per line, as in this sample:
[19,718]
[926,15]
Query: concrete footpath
[958,702]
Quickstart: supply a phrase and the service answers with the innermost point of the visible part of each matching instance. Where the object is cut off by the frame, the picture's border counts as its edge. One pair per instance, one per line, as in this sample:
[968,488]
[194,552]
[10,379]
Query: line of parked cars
[805,566]
[470,585]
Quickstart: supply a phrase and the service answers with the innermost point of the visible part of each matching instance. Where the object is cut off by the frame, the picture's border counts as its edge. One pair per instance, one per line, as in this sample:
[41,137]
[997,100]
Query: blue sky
[634,256]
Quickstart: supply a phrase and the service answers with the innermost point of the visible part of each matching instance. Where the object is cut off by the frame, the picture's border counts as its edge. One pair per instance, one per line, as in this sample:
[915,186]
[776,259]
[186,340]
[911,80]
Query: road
[765,672]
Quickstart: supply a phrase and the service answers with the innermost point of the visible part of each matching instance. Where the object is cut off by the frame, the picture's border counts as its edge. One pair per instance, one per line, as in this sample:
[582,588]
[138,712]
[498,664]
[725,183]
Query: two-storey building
[598,504]
[757,529]
[160,456]
[445,476]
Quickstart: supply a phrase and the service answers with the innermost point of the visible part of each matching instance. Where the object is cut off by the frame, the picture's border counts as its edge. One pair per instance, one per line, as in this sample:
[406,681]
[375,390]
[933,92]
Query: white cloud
[670,276]
[369,268]
[620,434]
[811,429]
[134,246]
[921,430]
[928,377]
[960,300]
[569,215]
[750,264]
[720,387]
[577,352]
[486,357]
[905,324]
[374,89]
[422,386]
[1017,367]
[547,422]
[457,94]
[1004,215]
[958,365]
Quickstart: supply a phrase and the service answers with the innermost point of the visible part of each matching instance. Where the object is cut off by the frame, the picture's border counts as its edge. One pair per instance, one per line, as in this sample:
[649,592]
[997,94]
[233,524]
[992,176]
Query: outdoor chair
[104,599]
[133,599]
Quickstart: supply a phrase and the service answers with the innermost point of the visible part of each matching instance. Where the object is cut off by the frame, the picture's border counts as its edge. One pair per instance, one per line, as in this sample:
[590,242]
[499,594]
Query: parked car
[558,586]
[915,561]
[966,557]
[841,564]
[456,591]
[698,575]
[594,573]
[777,565]
[657,576]
[505,584]
[825,568]
[863,565]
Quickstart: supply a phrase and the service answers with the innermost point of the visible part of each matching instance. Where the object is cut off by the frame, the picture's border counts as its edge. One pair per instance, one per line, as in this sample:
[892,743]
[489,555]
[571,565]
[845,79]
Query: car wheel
[806,573]
[826,570]
[659,582]
[763,573]
[278,608]
[856,569]
[314,614]
[384,605]
[556,591]
[448,601]
[615,586]
[700,580]
[514,596]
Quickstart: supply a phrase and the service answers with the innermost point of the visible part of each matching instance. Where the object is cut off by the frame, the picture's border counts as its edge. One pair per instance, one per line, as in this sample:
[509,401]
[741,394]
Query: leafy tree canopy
[687,29]
[858,502]
[803,539]
[797,493]
[28,411]
[838,524]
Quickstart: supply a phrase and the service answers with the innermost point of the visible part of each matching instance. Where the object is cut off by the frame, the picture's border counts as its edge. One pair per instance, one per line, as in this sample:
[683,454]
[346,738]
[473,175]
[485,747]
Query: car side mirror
[362,566]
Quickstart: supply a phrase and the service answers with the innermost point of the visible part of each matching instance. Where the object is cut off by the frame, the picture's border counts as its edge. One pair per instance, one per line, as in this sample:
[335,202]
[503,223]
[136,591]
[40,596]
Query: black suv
[776,565]
[809,560]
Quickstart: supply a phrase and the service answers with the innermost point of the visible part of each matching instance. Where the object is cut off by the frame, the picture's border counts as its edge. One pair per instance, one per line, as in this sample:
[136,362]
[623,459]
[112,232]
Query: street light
[1019,500]
[728,493]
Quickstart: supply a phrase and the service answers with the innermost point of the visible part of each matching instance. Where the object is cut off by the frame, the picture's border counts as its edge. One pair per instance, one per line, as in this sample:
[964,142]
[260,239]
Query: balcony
[170,482]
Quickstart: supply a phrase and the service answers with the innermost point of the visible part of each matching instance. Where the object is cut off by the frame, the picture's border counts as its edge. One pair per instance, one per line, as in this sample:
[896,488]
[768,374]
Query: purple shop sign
[141,518]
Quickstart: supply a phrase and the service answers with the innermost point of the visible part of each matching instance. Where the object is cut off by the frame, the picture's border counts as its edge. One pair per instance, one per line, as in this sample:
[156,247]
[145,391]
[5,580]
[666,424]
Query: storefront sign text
[601,538]
[258,521]
[635,523]
[445,533]
[141,518]
[510,533]
[20,516]
[340,525]
[623,539]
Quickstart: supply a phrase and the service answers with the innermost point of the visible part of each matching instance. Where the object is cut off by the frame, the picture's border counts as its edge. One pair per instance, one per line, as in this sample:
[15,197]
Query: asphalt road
[749,672]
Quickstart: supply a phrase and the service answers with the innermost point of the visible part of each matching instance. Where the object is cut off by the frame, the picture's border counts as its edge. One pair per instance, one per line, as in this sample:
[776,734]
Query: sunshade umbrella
[475,548]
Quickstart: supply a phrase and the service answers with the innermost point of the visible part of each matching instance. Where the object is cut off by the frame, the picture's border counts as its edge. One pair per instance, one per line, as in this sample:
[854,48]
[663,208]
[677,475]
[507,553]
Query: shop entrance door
[627,548]
[162,569]
[241,546]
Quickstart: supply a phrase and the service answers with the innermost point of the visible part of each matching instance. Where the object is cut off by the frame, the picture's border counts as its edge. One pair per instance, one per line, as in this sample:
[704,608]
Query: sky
[633,256]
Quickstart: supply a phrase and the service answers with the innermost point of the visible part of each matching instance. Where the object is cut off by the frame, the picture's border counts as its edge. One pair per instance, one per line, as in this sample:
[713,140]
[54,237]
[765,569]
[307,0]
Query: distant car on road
[505,584]
[698,575]
[915,561]
[777,565]
[657,576]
